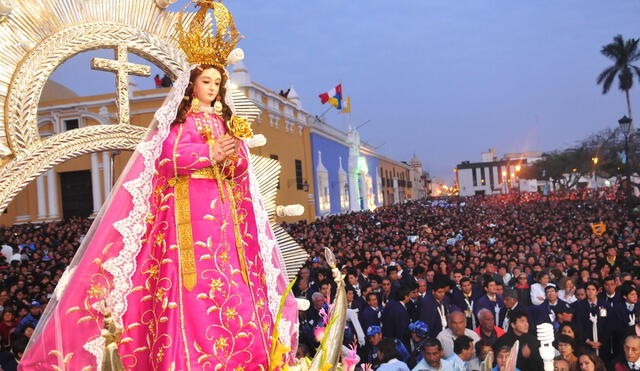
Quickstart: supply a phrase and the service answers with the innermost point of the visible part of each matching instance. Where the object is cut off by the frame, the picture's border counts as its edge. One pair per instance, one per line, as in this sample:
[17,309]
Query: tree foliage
[565,166]
[623,54]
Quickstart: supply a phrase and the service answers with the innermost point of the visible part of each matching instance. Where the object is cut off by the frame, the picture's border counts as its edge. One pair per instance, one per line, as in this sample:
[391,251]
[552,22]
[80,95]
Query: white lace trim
[63,282]
[96,347]
[132,227]
[267,246]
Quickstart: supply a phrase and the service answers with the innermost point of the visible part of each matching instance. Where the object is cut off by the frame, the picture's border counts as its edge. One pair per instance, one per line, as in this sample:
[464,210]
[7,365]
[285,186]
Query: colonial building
[419,178]
[495,176]
[345,171]
[397,184]
[284,123]
[324,169]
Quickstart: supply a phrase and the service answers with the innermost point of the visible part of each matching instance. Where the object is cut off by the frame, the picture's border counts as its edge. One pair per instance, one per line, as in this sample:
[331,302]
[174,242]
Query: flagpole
[344,122]
[324,113]
[319,118]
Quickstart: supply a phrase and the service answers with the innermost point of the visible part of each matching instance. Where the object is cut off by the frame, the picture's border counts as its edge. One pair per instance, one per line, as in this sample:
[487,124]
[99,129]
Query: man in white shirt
[432,358]
[456,327]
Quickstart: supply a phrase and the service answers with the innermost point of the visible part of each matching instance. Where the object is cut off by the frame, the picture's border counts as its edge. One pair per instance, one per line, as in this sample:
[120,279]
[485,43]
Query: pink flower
[318,333]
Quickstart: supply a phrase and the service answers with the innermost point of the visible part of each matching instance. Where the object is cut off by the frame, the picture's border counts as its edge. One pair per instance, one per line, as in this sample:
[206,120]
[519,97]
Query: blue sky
[444,79]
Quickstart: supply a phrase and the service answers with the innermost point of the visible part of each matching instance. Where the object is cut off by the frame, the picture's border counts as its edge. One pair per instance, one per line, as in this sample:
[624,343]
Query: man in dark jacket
[35,312]
[490,300]
[464,298]
[528,354]
[395,318]
[371,315]
[547,312]
[630,359]
[594,310]
[435,306]
[624,314]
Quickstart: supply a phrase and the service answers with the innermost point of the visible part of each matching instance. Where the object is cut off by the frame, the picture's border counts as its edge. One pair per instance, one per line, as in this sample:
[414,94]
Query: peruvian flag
[334,97]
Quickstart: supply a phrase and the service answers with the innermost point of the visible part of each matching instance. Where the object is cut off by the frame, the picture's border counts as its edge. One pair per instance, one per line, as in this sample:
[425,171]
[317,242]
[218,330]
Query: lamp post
[625,127]
[595,174]
[517,168]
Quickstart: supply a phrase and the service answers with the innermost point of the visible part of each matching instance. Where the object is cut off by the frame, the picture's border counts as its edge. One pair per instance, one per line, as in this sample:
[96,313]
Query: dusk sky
[444,79]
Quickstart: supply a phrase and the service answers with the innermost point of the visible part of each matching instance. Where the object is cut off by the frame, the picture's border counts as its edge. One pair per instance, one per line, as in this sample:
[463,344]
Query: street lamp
[595,174]
[625,127]
[517,169]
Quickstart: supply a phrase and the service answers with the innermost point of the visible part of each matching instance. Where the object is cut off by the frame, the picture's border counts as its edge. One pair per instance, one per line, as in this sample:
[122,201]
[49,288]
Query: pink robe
[222,323]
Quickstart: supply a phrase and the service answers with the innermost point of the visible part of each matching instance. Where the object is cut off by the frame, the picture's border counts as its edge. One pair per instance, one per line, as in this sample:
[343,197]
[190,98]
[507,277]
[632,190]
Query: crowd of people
[32,260]
[432,284]
[446,281]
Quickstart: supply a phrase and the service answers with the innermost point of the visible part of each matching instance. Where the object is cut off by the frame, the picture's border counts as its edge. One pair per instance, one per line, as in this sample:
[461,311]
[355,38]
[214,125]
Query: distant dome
[54,91]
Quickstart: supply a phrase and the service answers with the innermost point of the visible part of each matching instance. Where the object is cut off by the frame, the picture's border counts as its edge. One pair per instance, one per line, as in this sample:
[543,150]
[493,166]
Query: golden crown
[198,42]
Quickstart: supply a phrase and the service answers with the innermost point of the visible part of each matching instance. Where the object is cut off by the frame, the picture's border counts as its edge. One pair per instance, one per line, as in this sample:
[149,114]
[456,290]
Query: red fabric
[498,330]
[621,366]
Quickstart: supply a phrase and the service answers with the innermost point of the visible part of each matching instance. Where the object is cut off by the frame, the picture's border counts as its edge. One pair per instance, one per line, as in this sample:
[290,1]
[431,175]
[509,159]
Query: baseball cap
[373,330]
[420,328]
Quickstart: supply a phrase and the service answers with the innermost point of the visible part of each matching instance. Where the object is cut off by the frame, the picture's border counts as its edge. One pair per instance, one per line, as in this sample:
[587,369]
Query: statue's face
[207,86]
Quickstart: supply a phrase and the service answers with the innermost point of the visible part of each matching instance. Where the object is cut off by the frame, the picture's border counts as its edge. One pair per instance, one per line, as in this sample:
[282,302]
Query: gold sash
[184,233]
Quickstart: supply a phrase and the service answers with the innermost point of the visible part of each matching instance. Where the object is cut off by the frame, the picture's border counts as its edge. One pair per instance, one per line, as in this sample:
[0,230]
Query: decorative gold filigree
[197,41]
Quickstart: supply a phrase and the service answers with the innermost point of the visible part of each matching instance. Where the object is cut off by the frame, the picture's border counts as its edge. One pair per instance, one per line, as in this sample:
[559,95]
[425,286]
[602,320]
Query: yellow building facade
[79,187]
[396,181]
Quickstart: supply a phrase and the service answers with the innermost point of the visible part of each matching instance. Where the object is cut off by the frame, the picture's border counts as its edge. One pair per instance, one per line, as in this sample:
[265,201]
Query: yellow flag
[347,106]
[599,228]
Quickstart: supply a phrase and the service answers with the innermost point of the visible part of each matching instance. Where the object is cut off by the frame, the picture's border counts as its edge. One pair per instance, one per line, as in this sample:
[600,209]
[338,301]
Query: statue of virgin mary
[181,269]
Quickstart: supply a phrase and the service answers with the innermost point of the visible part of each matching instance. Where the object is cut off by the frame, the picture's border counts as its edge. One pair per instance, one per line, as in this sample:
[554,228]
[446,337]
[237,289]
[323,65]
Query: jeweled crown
[208,46]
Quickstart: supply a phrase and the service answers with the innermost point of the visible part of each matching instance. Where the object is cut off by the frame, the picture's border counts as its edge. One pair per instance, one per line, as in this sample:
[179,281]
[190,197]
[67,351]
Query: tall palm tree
[623,53]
